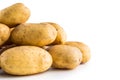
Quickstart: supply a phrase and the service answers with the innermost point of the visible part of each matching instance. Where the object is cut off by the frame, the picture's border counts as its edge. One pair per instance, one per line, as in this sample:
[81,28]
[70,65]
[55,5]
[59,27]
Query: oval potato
[25,60]
[4,33]
[83,48]
[65,57]
[33,34]
[15,14]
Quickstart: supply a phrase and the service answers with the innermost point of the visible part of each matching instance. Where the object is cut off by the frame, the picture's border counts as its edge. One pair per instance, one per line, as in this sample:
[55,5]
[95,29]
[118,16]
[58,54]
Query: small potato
[15,14]
[25,60]
[61,34]
[4,33]
[33,34]
[65,57]
[83,48]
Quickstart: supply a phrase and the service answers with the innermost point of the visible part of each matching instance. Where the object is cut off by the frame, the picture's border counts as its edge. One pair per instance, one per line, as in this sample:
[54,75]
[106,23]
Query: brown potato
[25,60]
[61,34]
[83,48]
[4,33]
[65,57]
[15,14]
[33,34]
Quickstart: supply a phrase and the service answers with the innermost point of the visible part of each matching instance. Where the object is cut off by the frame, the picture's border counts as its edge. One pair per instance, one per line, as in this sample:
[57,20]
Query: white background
[94,22]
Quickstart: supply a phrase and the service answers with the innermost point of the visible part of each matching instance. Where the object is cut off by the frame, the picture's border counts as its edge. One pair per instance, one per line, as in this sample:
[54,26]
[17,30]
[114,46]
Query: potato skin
[25,60]
[33,34]
[15,14]
[83,48]
[4,33]
[61,34]
[65,57]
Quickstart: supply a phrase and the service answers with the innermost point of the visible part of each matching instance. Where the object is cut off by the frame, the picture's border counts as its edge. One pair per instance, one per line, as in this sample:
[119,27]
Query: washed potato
[83,48]
[4,33]
[15,14]
[61,34]
[65,57]
[25,60]
[33,34]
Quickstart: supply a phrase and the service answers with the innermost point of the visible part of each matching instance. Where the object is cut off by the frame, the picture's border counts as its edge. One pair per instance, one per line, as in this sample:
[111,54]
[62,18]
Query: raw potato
[15,14]
[83,48]
[34,34]
[61,35]
[25,60]
[4,33]
[65,57]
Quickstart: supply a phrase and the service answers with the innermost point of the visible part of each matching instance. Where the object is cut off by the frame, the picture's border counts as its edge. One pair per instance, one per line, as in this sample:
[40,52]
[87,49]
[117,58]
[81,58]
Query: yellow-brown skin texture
[83,48]
[65,57]
[33,34]
[25,60]
[61,34]
[15,14]
[4,33]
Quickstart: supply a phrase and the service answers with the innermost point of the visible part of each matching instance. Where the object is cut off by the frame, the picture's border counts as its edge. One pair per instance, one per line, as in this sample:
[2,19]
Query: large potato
[61,34]
[83,48]
[25,60]
[65,57]
[15,14]
[4,33]
[34,34]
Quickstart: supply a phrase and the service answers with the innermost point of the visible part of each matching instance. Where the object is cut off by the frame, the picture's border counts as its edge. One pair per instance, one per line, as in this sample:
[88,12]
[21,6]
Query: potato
[25,60]
[33,34]
[83,48]
[15,14]
[61,34]
[4,33]
[65,57]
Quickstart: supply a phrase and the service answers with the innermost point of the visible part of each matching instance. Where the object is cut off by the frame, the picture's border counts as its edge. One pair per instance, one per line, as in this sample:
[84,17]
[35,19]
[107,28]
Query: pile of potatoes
[30,48]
